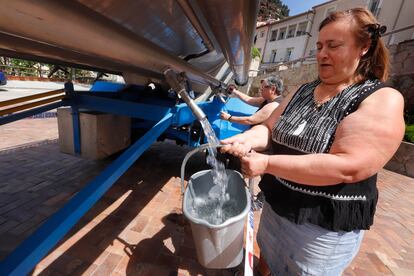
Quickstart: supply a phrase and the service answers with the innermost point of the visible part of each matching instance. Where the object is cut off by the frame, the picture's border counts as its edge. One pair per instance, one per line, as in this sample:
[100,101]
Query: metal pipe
[30,105]
[189,13]
[308,29]
[24,114]
[233,25]
[176,83]
[31,97]
[269,29]
[18,47]
[396,20]
[88,32]
[398,30]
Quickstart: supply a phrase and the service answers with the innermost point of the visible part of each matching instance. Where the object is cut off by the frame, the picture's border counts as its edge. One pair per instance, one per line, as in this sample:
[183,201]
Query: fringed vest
[304,129]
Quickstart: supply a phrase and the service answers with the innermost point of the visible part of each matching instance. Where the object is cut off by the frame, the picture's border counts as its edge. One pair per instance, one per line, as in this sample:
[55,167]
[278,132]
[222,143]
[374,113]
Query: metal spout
[176,82]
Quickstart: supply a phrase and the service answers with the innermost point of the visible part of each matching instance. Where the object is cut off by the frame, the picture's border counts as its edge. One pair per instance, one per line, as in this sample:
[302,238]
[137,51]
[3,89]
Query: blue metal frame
[24,114]
[120,107]
[33,249]
[76,130]
[157,120]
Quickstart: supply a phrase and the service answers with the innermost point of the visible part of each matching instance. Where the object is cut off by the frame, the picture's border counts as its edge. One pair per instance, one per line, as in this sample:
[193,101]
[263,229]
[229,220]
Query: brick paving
[136,228]
[27,131]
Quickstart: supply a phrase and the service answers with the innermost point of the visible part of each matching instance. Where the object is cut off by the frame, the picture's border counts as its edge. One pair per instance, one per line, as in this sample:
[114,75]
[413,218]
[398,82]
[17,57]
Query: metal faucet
[177,83]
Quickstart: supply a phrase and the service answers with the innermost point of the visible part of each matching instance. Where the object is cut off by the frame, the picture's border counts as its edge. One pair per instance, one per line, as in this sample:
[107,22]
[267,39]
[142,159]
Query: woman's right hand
[231,88]
[237,145]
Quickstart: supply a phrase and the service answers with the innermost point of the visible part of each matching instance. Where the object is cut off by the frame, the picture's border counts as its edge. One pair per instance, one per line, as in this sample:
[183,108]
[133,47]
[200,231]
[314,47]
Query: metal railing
[55,73]
[27,103]
[21,71]
[268,67]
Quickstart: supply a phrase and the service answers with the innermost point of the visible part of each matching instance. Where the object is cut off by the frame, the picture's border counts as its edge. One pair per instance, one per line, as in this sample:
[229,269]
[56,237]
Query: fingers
[254,164]
[227,144]
[228,140]
[247,157]
[231,88]
[237,149]
[236,145]
[245,169]
[225,149]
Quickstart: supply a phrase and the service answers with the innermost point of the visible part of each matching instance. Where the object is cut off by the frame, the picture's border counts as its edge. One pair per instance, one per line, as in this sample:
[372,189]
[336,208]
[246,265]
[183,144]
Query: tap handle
[174,80]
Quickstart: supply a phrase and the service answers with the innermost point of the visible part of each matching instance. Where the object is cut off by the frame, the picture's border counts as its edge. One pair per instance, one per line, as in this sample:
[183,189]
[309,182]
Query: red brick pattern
[137,229]
[27,131]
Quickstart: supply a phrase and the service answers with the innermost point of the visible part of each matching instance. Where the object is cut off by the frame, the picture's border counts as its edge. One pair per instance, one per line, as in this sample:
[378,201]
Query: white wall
[387,15]
[261,41]
[321,13]
[296,42]
[281,46]
[397,14]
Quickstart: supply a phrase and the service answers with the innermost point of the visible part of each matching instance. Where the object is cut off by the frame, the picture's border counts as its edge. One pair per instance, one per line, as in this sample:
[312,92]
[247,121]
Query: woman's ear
[363,53]
[365,50]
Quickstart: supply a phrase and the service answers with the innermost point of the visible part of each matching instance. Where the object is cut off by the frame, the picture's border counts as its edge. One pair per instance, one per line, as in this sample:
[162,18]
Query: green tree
[255,53]
[21,67]
[272,9]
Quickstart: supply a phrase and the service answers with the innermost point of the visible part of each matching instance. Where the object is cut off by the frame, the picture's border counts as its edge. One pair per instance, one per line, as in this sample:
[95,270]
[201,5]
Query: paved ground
[134,229]
[27,132]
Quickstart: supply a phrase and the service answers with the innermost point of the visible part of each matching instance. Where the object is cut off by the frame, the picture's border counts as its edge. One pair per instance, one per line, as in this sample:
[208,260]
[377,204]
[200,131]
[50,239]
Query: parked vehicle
[3,79]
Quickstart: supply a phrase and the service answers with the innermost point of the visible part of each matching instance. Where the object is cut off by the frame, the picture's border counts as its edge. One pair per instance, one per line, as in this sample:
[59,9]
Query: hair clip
[376,30]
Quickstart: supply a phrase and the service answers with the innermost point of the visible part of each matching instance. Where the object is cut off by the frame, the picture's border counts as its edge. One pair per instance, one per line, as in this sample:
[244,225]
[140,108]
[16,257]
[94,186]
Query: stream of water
[217,206]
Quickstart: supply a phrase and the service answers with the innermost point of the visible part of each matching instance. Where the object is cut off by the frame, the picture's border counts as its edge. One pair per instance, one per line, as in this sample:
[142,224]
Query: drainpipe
[395,21]
[267,39]
[309,29]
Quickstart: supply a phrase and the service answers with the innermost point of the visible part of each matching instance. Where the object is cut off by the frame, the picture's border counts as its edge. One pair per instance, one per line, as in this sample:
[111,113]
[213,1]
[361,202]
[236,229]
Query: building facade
[285,39]
[296,36]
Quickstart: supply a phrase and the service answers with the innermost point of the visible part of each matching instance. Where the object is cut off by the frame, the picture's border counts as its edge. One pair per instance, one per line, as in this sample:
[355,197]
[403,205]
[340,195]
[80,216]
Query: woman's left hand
[254,164]
[224,115]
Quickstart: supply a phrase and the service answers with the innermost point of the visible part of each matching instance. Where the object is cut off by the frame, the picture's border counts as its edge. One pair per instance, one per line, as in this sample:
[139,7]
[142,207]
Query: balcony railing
[267,67]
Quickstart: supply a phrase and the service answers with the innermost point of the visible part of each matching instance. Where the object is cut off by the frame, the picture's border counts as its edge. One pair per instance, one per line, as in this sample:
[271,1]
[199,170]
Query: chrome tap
[177,83]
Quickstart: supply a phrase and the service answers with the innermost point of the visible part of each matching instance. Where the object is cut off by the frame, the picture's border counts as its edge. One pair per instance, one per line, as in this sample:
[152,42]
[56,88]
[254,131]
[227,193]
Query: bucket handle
[188,155]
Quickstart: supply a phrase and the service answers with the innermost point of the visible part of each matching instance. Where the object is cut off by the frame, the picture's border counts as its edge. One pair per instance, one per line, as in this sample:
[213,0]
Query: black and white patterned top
[305,129]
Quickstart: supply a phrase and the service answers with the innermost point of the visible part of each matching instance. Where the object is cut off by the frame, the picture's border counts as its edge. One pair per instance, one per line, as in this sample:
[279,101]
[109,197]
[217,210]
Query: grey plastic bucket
[218,246]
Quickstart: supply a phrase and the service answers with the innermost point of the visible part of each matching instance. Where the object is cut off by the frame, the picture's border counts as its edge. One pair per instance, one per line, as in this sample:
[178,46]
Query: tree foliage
[255,53]
[21,67]
[272,9]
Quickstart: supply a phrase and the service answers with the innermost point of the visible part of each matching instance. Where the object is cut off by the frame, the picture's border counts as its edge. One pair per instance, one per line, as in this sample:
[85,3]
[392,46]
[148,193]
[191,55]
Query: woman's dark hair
[375,63]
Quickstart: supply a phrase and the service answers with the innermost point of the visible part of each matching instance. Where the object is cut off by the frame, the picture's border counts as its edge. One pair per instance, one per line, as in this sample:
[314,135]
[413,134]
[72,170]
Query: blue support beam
[24,114]
[34,248]
[184,115]
[76,130]
[121,107]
